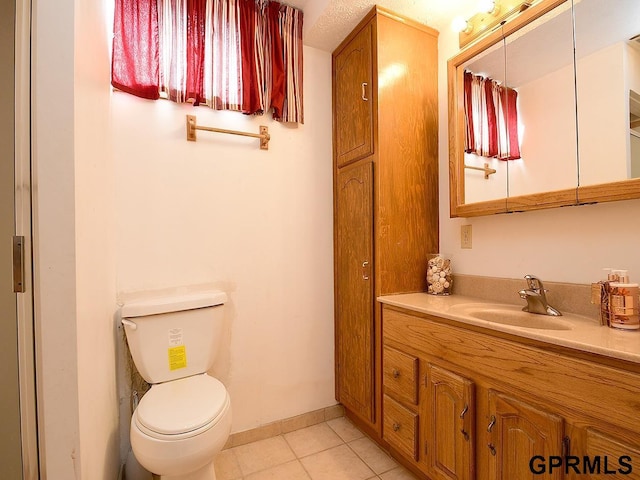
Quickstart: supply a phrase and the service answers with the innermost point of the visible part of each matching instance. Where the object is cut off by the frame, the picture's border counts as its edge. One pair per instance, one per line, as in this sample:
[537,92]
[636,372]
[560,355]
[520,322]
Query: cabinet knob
[492,449]
[396,427]
[396,373]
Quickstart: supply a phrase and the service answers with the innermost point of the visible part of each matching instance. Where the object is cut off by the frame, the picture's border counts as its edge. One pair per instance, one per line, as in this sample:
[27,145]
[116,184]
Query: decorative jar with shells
[439,279]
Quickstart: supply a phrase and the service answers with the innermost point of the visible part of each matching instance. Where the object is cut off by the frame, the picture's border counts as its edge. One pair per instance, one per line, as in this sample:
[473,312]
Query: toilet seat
[182,408]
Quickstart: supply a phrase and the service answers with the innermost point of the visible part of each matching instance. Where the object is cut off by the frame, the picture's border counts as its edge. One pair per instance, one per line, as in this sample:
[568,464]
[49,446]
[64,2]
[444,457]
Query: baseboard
[285,426]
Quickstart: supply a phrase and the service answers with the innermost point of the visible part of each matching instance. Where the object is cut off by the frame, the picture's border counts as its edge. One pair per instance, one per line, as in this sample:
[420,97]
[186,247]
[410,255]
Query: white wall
[255,223]
[564,244]
[95,241]
[480,189]
[546,112]
[632,66]
[54,238]
[603,116]
[73,246]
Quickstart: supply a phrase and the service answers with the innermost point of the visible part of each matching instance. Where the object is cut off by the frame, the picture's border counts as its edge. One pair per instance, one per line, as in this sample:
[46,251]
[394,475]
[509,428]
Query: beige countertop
[578,332]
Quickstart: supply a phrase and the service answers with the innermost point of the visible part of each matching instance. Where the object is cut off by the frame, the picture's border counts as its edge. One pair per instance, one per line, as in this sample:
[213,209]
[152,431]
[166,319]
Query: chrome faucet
[536,298]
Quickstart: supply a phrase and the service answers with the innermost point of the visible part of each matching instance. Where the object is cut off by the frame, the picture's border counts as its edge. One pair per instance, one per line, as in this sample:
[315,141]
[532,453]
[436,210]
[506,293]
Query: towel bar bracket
[192,127]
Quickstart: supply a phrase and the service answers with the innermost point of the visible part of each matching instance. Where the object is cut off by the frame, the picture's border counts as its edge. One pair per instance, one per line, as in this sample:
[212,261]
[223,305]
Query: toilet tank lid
[173,303]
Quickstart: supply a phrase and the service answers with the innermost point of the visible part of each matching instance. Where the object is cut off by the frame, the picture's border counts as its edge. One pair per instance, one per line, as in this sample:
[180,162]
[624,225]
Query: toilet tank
[174,336]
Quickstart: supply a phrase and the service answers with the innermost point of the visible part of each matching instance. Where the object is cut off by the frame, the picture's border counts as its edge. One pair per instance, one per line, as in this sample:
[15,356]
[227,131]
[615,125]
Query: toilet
[185,418]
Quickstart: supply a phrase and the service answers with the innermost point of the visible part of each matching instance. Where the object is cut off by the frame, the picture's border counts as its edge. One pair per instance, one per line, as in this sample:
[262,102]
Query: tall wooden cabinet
[385,153]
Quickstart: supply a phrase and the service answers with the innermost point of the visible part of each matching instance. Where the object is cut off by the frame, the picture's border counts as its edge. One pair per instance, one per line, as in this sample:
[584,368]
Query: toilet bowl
[179,426]
[185,417]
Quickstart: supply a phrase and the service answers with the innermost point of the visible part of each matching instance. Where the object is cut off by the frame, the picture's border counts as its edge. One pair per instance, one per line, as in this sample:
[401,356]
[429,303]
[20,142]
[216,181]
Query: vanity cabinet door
[600,456]
[518,431]
[353,102]
[354,322]
[449,425]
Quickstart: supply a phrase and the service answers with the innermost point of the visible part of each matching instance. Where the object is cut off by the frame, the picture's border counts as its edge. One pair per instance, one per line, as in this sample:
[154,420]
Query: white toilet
[185,418]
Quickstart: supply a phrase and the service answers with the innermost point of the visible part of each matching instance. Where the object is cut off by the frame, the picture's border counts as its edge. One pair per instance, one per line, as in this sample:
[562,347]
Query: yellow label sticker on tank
[177,357]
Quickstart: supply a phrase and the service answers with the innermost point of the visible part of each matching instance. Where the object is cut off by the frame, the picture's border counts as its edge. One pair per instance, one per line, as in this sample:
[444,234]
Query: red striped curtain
[136,37]
[491,118]
[242,55]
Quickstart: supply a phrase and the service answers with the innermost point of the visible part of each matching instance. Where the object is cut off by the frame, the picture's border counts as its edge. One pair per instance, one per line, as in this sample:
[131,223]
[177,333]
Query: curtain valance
[491,116]
[242,55]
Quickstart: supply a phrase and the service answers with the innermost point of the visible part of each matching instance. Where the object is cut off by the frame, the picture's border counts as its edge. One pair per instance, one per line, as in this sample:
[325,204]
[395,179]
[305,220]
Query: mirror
[608,86]
[567,153]
[539,60]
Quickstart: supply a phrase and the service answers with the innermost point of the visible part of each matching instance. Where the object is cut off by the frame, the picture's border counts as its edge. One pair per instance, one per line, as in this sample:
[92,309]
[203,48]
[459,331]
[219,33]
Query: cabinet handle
[566,446]
[462,414]
[364,91]
[464,411]
[365,270]
[491,423]
[396,427]
[396,373]
[492,449]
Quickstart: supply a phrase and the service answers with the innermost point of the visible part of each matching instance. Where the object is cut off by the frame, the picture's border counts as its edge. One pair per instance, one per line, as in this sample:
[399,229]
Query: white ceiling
[328,22]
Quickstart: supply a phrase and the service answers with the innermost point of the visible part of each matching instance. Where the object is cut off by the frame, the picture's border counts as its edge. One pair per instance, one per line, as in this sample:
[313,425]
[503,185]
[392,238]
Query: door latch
[18,264]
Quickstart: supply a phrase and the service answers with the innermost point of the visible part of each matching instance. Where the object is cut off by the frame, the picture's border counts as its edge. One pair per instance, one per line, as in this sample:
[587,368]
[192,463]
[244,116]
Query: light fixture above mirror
[490,13]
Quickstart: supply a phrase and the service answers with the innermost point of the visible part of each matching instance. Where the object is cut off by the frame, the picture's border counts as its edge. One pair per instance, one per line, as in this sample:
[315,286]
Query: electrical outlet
[465,236]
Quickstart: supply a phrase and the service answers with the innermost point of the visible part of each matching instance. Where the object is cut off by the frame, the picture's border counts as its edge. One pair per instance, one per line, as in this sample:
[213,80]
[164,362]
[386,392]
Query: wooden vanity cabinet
[385,160]
[488,403]
[428,415]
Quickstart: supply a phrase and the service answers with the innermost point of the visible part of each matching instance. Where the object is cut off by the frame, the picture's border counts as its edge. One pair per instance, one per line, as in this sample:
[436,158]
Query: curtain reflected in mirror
[485,126]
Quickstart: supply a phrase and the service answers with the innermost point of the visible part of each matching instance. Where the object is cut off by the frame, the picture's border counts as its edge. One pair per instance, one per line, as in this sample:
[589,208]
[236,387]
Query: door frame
[23,221]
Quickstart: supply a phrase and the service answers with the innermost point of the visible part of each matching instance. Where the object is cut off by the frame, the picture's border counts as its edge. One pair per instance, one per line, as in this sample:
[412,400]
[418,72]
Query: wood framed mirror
[577,137]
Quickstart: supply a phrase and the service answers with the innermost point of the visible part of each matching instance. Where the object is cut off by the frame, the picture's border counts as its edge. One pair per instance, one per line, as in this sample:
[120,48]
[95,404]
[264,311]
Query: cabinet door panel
[354,290]
[450,425]
[600,456]
[518,431]
[353,99]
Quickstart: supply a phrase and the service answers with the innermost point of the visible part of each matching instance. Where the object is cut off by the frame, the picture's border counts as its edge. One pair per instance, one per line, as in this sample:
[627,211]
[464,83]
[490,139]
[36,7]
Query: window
[491,116]
[243,55]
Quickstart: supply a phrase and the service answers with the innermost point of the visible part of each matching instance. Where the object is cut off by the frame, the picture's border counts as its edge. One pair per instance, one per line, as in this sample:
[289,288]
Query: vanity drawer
[400,375]
[400,427]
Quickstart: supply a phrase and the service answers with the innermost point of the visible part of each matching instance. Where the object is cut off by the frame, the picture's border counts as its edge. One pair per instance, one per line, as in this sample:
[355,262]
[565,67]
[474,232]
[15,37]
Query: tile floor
[332,450]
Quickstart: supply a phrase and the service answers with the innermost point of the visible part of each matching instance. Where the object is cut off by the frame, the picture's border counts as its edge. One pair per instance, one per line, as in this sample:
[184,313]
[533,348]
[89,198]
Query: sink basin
[509,315]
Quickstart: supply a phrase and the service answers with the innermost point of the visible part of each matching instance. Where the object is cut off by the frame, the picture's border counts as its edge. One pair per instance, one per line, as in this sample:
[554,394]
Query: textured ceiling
[328,22]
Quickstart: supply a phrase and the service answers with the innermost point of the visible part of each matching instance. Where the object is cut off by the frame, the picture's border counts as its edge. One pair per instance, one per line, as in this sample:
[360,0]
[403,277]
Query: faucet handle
[534,283]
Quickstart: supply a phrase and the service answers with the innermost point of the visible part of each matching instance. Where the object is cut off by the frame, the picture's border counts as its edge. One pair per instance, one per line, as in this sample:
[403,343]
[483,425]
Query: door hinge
[18,264]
